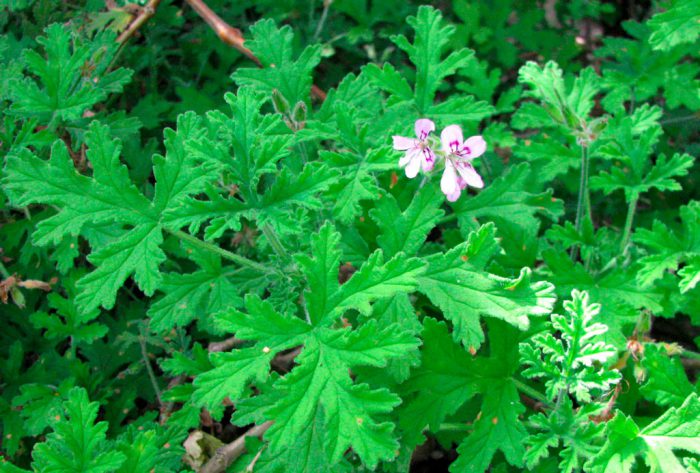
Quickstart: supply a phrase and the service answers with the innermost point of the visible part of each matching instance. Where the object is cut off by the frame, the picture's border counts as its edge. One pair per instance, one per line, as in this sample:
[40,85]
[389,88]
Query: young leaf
[574,362]
[426,53]
[280,71]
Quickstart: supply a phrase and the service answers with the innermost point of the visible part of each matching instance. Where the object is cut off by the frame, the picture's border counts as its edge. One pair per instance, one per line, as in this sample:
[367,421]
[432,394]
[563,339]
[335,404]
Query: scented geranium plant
[338,237]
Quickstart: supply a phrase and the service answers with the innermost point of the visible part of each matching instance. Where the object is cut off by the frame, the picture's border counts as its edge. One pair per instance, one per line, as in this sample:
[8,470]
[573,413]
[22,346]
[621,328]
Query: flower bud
[299,114]
[279,102]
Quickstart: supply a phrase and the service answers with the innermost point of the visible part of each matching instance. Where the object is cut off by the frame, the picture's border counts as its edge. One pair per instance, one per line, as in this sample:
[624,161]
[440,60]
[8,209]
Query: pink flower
[418,153]
[459,171]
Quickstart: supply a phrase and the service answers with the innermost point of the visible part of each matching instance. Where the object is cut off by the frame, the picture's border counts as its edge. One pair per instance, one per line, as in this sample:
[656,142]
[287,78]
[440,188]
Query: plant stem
[274,241]
[631,209]
[322,21]
[3,271]
[669,121]
[532,392]
[455,427]
[583,204]
[241,260]
[149,368]
[690,354]
[227,454]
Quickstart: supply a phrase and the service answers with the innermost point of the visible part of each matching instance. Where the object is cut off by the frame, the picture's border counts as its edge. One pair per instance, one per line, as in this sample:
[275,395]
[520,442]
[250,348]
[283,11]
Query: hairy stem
[529,391]
[241,260]
[631,209]
[274,241]
[583,204]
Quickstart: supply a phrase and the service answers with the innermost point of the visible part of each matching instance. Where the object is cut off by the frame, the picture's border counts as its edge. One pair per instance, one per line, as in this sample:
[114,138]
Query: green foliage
[78,444]
[197,240]
[676,429]
[677,25]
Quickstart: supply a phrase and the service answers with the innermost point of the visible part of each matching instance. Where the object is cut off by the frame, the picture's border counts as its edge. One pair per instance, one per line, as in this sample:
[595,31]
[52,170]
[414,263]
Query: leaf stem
[668,121]
[241,260]
[149,368]
[532,392]
[690,354]
[583,204]
[454,427]
[322,21]
[3,271]
[275,242]
[631,209]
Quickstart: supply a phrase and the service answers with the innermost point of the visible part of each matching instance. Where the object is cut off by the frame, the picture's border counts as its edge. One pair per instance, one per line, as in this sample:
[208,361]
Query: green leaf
[661,176]
[280,70]
[668,249]
[107,197]
[77,444]
[498,426]
[574,360]
[677,428]
[510,197]
[679,24]
[320,382]
[666,382]
[208,290]
[426,51]
[376,278]
[406,231]
[72,77]
[459,285]
[233,371]
[446,373]
[572,428]
[67,321]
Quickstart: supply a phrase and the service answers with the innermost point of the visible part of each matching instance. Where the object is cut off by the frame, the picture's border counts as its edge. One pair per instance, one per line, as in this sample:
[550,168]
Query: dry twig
[227,454]
[224,345]
[147,11]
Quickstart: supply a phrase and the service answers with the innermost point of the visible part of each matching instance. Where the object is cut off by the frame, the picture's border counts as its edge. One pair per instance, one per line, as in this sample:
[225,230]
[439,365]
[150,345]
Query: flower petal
[405,159]
[448,183]
[451,138]
[428,159]
[423,128]
[403,142]
[454,196]
[476,146]
[414,164]
[469,174]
